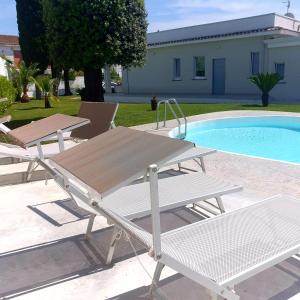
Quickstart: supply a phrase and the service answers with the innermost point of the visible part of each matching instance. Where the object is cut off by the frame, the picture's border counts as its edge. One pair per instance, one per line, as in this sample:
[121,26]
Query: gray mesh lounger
[124,156]
[220,252]
[133,201]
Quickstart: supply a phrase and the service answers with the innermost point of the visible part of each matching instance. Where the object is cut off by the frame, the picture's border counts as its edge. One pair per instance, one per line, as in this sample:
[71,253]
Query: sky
[167,14]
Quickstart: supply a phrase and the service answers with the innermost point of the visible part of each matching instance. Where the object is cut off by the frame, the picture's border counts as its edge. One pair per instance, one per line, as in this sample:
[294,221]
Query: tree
[46,85]
[87,35]
[32,33]
[67,82]
[265,82]
[22,75]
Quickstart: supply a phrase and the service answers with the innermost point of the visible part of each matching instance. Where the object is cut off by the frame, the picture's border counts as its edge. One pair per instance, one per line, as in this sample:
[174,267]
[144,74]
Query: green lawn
[128,114]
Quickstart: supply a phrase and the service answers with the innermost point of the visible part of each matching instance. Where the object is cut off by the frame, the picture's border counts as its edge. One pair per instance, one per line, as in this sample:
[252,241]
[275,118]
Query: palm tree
[26,76]
[46,85]
[16,81]
[265,82]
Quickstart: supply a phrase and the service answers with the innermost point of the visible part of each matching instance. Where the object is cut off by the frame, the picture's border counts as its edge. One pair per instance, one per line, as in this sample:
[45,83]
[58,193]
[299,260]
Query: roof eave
[280,31]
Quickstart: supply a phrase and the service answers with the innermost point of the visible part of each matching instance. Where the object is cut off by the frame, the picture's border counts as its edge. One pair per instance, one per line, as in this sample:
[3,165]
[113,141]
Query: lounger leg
[30,170]
[117,234]
[179,166]
[155,280]
[145,177]
[90,226]
[202,164]
[220,204]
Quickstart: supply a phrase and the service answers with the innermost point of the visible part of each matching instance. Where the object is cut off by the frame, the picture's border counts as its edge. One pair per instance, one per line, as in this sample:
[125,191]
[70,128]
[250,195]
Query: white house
[9,47]
[219,58]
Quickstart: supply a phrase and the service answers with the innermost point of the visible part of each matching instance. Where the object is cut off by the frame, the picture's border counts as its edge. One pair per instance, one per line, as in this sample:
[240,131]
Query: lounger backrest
[101,116]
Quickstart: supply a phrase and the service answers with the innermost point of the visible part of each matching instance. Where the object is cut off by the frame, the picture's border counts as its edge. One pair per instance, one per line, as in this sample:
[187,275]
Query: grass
[128,114]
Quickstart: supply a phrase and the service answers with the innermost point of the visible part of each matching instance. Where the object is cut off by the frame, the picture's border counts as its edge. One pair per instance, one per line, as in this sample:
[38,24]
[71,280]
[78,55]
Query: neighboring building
[10,48]
[219,58]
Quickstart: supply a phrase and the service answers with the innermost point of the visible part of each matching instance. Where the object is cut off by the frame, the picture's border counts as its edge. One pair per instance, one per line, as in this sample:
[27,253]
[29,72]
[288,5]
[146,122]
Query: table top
[116,158]
[34,132]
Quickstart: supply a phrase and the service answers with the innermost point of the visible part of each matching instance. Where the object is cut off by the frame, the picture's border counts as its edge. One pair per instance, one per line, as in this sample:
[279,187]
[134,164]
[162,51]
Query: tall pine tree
[32,33]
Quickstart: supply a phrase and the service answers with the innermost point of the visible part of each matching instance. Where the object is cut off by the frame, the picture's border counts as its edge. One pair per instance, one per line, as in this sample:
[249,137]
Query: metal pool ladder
[181,120]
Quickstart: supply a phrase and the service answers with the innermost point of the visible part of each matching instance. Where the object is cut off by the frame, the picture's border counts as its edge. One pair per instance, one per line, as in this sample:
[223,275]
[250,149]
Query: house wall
[9,53]
[156,77]
[3,70]
[289,88]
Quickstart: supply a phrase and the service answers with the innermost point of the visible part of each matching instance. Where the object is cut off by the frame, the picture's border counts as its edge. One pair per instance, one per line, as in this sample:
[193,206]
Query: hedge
[7,94]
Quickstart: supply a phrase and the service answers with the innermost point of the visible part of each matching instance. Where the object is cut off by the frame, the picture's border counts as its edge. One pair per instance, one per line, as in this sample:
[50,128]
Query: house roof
[9,40]
[224,35]
[269,24]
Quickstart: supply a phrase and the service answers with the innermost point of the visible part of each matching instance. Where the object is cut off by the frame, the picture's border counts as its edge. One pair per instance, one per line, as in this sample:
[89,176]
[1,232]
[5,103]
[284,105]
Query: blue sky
[166,14]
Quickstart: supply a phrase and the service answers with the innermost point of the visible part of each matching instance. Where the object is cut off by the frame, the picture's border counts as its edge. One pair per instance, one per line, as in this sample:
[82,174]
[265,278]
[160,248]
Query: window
[177,69]
[254,63]
[199,67]
[280,70]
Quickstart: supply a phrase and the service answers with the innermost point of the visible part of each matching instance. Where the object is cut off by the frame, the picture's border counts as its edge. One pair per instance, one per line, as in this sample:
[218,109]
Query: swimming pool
[272,137]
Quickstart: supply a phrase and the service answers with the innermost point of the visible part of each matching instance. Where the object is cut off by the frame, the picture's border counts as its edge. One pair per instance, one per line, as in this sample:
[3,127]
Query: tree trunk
[55,74]
[38,94]
[67,83]
[93,85]
[47,102]
[265,99]
[25,98]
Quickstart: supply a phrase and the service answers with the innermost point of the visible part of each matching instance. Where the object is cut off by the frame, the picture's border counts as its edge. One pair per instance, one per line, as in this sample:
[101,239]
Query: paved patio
[43,253]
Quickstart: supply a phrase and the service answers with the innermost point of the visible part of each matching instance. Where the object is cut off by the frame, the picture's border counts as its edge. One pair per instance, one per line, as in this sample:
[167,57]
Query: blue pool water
[267,137]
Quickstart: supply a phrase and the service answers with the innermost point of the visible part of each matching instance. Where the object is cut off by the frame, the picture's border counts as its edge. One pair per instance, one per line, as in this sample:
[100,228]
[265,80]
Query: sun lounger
[101,118]
[100,115]
[96,171]
[35,133]
[221,252]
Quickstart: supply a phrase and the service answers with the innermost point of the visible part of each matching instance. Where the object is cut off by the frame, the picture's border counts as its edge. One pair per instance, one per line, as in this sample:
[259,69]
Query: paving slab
[44,254]
[42,259]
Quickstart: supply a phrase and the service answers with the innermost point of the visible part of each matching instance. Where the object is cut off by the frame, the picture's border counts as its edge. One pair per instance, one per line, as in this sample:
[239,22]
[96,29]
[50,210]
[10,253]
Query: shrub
[7,94]
[265,82]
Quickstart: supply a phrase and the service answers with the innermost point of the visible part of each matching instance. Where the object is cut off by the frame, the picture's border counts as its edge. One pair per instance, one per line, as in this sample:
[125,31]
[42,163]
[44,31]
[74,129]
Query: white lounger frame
[88,197]
[226,290]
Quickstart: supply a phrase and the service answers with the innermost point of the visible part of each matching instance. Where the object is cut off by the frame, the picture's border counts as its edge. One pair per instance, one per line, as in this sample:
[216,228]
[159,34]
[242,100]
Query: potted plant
[265,82]
[81,93]
[154,103]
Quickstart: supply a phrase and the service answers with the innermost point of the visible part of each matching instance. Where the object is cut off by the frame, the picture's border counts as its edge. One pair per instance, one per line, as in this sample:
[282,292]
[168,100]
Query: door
[219,67]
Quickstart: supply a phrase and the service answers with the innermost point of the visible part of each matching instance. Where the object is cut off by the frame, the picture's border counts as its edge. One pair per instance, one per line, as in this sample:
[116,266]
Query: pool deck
[43,254]
[260,177]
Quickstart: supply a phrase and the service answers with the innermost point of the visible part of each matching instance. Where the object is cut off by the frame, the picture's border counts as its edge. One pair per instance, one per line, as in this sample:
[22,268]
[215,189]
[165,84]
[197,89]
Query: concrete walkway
[43,253]
[192,98]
